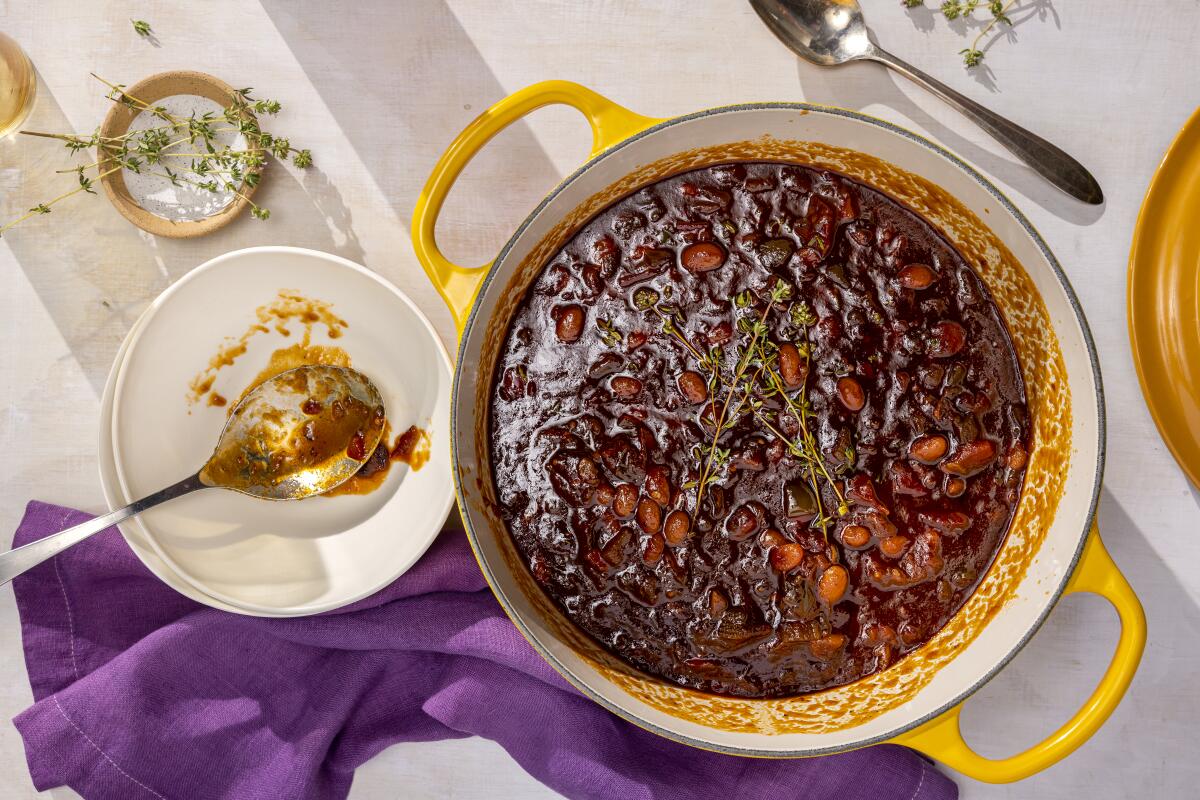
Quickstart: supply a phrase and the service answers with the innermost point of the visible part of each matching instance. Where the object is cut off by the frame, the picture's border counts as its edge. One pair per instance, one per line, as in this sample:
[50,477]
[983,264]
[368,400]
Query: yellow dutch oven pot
[1053,547]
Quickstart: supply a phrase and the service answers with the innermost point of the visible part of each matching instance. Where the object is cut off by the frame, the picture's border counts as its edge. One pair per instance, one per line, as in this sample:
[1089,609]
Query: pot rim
[1080,319]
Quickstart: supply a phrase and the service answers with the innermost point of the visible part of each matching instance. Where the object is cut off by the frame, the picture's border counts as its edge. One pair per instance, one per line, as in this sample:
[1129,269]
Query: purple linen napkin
[142,693]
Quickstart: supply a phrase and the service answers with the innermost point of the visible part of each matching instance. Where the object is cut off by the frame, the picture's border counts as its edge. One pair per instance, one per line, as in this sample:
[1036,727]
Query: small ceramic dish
[252,556]
[120,117]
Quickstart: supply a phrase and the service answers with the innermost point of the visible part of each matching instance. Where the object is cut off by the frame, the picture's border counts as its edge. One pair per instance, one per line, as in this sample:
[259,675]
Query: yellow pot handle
[610,123]
[941,738]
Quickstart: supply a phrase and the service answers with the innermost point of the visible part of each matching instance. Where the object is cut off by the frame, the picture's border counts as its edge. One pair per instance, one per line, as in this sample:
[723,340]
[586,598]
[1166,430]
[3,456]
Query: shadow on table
[858,85]
[95,273]
[926,18]
[1032,696]
[402,81]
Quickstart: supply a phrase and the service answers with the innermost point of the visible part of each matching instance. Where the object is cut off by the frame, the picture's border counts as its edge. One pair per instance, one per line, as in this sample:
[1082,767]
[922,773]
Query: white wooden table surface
[377,88]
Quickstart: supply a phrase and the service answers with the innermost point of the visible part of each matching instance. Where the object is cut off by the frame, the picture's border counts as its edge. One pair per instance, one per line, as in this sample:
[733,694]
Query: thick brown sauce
[287,308]
[603,422]
[320,432]
[410,447]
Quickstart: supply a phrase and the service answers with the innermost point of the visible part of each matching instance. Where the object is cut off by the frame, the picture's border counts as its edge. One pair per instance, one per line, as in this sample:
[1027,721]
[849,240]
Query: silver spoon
[301,433]
[832,32]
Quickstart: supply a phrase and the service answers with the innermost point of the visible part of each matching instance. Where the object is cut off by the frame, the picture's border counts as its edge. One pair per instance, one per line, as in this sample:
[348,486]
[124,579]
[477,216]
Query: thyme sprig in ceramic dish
[184,150]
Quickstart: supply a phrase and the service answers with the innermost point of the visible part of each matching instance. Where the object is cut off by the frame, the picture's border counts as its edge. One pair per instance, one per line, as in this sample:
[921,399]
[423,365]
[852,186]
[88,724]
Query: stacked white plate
[259,557]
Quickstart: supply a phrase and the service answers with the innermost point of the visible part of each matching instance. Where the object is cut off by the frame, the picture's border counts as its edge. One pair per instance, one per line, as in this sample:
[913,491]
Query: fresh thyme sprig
[189,143]
[965,9]
[716,458]
[745,395]
[806,449]
[142,27]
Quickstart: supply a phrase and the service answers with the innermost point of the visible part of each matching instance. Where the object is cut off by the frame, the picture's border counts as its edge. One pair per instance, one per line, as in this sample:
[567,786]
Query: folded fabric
[141,692]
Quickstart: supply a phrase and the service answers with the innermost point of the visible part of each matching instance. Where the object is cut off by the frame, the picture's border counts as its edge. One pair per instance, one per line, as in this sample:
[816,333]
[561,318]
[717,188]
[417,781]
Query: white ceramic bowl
[917,700]
[254,556]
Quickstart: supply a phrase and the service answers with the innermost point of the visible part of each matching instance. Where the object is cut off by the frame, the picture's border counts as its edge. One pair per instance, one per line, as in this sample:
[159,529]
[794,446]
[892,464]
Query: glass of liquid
[18,86]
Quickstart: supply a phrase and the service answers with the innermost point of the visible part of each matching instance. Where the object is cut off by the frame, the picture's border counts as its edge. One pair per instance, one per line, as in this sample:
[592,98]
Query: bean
[911,634]
[786,557]
[625,499]
[947,338]
[855,536]
[751,457]
[604,250]
[623,458]
[742,523]
[859,233]
[605,365]
[828,328]
[1017,457]
[916,276]
[717,603]
[703,256]
[652,550]
[970,458]
[955,487]
[592,279]
[512,386]
[827,646]
[771,538]
[658,485]
[832,585]
[850,392]
[693,387]
[649,515]
[605,494]
[677,528]
[646,439]
[893,546]
[625,387]
[928,449]
[588,472]
[568,322]
[791,368]
[879,634]
[596,561]
[720,333]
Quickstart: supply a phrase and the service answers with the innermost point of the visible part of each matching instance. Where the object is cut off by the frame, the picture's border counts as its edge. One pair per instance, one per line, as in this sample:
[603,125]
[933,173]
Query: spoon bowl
[298,434]
[303,432]
[833,32]
[825,32]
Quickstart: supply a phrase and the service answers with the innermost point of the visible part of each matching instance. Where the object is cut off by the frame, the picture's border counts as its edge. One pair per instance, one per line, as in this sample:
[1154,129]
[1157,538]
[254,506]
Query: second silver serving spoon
[300,433]
[832,32]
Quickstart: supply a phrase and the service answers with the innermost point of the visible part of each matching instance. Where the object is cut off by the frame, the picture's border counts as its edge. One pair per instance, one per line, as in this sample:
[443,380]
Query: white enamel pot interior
[1044,576]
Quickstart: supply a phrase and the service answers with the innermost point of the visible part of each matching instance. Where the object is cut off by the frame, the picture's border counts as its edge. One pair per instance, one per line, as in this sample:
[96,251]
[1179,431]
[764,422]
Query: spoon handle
[1052,163]
[16,561]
